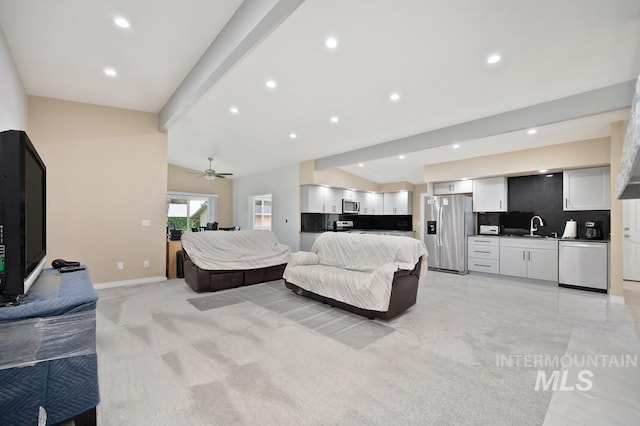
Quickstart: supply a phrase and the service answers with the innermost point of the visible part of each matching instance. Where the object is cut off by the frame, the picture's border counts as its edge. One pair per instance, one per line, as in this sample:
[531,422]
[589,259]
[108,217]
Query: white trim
[174,194]
[126,283]
[616,299]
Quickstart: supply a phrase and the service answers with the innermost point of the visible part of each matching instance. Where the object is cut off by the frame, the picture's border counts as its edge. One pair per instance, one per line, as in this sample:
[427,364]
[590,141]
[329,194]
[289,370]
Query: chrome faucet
[533,229]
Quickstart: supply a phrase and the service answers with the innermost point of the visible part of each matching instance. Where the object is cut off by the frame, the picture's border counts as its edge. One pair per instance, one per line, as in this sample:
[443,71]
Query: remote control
[71,268]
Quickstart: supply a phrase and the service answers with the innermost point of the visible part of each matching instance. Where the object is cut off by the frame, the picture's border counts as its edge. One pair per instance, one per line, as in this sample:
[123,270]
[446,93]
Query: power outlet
[145,264]
[120,266]
[146,222]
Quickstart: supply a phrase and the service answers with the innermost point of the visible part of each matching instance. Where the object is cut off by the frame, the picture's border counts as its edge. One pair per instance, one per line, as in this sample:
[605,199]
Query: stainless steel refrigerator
[448,221]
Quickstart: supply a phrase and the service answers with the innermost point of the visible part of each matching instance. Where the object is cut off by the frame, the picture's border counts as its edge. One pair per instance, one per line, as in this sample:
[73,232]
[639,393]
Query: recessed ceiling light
[464,179]
[455,146]
[402,157]
[121,22]
[271,84]
[110,72]
[395,97]
[493,59]
[234,110]
[532,131]
[360,164]
[543,171]
[334,119]
[293,135]
[331,42]
[550,175]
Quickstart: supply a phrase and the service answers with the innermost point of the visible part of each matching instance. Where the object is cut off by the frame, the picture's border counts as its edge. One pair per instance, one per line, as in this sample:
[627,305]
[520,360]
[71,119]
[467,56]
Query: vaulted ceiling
[194,60]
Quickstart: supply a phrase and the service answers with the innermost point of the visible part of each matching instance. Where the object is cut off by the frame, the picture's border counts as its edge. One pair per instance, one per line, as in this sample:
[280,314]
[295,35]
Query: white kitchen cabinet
[371,203]
[513,261]
[587,189]
[320,199]
[483,254]
[350,195]
[312,198]
[455,187]
[333,200]
[490,194]
[542,264]
[398,202]
[537,259]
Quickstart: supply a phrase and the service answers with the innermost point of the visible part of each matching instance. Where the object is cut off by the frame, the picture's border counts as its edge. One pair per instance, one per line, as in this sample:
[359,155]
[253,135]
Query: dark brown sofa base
[205,280]
[404,291]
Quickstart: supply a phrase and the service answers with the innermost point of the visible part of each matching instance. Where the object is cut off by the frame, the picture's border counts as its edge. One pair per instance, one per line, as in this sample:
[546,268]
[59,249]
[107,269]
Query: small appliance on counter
[593,230]
[343,225]
[489,230]
[570,230]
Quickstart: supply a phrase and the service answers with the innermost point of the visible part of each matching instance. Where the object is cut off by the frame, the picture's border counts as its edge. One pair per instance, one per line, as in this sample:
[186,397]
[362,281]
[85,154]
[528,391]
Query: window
[186,214]
[262,212]
[190,211]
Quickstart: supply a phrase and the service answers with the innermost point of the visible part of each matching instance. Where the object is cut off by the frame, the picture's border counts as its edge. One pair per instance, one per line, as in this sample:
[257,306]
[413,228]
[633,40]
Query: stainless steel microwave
[349,206]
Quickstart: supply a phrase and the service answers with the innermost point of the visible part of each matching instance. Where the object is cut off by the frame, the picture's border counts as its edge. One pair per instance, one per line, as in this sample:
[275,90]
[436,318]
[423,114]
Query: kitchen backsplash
[541,195]
[317,222]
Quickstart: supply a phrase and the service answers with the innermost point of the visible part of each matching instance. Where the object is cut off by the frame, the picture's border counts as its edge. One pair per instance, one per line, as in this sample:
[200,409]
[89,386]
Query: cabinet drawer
[484,241]
[484,251]
[484,265]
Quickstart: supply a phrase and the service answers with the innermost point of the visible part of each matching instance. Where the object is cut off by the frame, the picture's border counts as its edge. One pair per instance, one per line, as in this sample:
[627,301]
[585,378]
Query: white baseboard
[616,299]
[127,283]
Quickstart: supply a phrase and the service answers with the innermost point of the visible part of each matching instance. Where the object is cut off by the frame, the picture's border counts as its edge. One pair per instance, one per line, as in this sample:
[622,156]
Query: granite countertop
[546,238]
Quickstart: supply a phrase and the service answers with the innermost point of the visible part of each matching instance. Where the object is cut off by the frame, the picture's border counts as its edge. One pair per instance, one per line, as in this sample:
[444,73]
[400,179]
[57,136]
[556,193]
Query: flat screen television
[23,236]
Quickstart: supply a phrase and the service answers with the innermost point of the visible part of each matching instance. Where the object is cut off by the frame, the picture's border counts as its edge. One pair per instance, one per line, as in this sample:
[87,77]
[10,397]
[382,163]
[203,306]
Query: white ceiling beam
[611,98]
[250,24]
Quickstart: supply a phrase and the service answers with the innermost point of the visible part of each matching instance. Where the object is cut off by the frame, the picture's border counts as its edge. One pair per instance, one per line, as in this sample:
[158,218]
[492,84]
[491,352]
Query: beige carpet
[262,355]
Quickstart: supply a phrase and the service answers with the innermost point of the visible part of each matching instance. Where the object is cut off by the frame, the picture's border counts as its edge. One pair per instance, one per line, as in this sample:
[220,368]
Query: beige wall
[573,155]
[333,177]
[106,172]
[615,272]
[181,179]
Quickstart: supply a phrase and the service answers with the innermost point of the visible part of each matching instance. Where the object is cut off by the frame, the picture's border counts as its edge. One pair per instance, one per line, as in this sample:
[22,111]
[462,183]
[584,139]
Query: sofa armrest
[303,258]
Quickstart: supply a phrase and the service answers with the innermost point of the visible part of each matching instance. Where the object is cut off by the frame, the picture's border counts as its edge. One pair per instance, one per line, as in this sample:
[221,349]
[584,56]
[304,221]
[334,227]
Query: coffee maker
[593,230]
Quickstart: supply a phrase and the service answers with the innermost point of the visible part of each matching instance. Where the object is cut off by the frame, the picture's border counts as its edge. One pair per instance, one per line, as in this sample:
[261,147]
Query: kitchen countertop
[545,238]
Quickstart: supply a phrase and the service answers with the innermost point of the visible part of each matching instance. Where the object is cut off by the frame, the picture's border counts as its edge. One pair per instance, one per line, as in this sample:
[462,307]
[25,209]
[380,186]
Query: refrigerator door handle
[440,228]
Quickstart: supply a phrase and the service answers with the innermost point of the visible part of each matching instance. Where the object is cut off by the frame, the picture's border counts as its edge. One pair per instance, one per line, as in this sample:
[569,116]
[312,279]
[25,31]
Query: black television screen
[22,213]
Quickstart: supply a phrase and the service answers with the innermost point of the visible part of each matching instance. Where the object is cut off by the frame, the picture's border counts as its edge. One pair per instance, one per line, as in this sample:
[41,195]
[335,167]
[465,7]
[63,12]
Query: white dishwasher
[584,264]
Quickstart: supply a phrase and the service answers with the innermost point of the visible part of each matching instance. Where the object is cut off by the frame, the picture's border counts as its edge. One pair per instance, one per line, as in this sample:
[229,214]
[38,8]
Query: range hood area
[628,180]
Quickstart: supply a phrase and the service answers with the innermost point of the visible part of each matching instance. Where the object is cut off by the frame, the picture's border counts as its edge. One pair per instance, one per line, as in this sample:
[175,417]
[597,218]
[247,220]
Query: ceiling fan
[210,174]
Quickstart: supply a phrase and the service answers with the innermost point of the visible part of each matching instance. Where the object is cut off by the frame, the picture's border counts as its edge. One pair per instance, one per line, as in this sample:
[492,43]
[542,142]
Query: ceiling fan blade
[224,174]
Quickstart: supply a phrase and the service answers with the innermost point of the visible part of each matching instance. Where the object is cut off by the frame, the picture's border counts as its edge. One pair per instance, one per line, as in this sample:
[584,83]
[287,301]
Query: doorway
[631,240]
[261,212]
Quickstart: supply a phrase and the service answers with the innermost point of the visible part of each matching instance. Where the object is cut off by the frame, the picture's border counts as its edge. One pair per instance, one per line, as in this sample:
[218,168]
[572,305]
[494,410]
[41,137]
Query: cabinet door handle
[565,203]
[480,251]
[484,266]
[626,228]
[626,235]
[500,204]
[529,256]
[523,255]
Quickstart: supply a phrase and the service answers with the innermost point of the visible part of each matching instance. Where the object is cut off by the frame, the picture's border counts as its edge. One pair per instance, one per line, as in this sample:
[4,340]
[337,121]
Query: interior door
[631,240]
